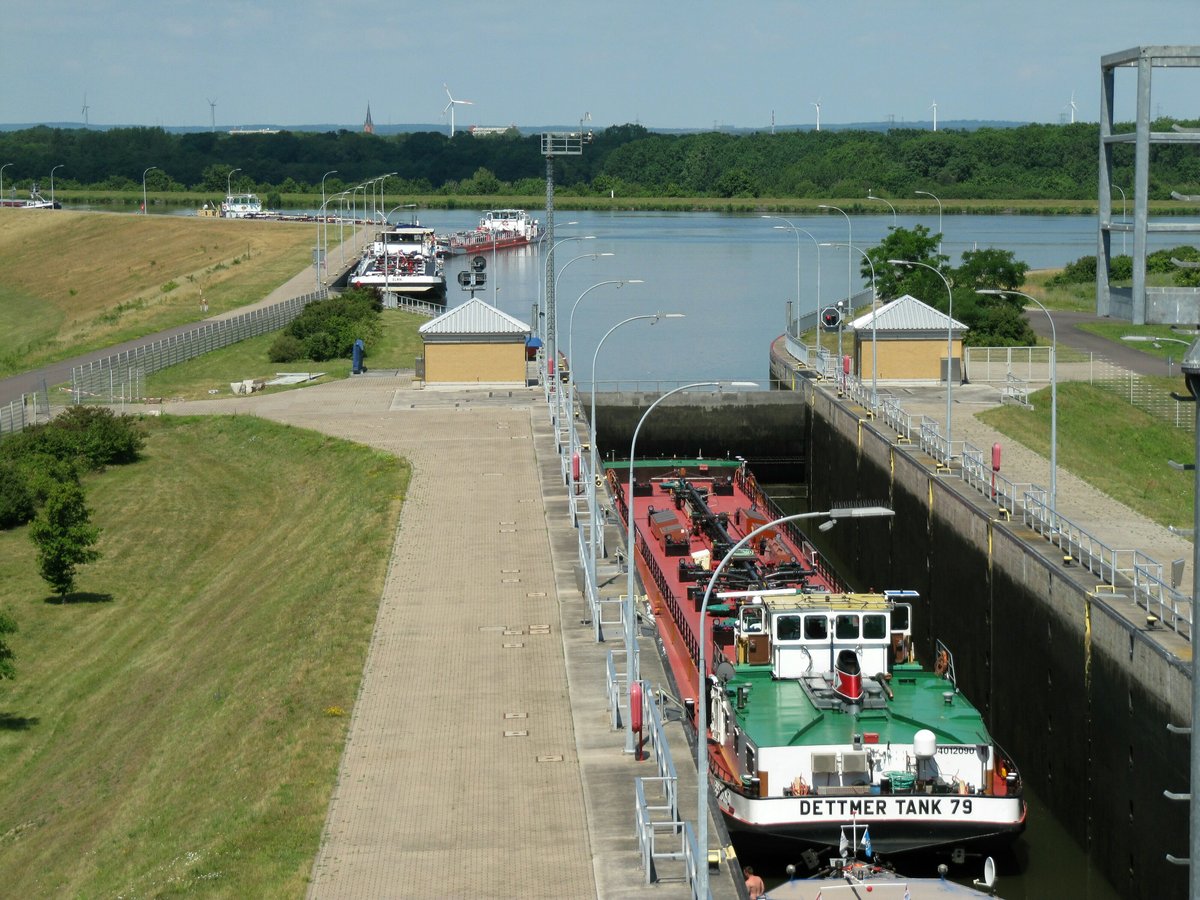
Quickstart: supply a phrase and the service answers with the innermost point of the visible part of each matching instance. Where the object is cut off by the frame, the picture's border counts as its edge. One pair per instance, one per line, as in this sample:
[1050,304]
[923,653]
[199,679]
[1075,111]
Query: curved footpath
[480,761]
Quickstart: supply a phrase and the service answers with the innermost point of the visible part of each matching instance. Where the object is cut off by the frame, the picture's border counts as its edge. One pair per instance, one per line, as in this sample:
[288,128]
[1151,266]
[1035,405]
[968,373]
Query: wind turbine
[818,106]
[212,109]
[450,106]
[1072,105]
[85,110]
[933,106]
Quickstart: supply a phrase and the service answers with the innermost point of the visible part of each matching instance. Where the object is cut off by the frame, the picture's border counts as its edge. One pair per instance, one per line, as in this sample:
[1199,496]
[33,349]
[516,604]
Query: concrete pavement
[480,761]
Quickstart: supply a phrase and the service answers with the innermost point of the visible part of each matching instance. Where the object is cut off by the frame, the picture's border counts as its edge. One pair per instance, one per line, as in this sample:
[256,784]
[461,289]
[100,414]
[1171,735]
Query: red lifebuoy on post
[635,706]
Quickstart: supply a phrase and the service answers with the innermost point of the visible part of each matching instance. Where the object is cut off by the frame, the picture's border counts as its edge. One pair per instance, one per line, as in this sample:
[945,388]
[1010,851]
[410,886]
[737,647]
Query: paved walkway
[480,761]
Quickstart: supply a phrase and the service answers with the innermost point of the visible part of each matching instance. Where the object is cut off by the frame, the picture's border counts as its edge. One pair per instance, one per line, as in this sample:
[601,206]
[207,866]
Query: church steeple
[368,126]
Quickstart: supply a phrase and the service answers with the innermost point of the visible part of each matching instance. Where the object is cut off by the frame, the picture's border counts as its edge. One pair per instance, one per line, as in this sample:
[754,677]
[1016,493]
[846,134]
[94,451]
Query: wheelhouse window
[787,628]
[816,628]
[875,627]
[846,627]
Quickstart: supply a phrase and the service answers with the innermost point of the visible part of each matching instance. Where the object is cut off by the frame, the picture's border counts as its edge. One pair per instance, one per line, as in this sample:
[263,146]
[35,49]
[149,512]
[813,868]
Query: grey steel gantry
[1165,306]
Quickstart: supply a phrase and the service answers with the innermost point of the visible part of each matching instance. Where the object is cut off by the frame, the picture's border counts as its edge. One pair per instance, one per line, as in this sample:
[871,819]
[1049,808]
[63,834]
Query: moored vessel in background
[497,230]
[819,713]
[402,260]
[241,206]
[35,201]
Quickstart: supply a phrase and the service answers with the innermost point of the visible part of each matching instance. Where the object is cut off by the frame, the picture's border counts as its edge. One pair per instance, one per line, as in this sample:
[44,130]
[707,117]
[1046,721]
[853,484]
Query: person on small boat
[754,885]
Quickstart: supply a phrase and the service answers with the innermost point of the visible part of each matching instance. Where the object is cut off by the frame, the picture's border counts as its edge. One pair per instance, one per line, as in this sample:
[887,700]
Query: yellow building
[475,344]
[905,340]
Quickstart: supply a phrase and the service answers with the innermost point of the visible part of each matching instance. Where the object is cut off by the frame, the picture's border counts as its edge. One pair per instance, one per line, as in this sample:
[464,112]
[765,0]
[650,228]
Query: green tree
[990,268]
[915,245]
[64,536]
[8,625]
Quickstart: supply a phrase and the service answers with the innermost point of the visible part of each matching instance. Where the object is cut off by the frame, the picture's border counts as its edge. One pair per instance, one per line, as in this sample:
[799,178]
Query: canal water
[732,277]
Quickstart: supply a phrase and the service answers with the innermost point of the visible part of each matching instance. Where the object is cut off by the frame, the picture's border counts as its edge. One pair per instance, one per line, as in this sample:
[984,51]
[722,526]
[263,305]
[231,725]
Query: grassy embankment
[134,275]
[177,729]
[72,282]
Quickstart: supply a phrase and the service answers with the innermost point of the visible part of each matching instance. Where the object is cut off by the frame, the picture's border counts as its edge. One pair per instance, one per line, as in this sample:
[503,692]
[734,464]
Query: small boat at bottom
[818,710]
[855,879]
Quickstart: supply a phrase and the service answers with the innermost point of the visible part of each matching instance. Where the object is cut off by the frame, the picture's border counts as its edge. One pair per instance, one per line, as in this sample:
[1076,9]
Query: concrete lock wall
[1065,676]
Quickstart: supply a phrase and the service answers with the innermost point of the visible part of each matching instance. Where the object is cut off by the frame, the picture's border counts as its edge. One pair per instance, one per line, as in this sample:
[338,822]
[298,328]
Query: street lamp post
[552,346]
[2,168]
[570,387]
[229,182]
[593,511]
[996,292]
[939,203]
[849,266]
[59,166]
[798,231]
[871,196]
[144,209]
[949,337]
[853,512]
[545,275]
[325,217]
[633,665]
[874,330]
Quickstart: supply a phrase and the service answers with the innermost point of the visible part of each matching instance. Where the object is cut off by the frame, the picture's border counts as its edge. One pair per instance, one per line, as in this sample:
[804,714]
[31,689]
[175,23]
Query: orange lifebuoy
[942,663]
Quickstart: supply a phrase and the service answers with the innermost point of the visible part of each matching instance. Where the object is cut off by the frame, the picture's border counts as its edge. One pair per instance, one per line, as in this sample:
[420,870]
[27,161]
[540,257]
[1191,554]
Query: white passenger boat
[241,206]
[402,260]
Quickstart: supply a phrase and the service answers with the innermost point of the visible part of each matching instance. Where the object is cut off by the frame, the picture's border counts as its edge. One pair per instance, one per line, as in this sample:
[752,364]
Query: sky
[669,64]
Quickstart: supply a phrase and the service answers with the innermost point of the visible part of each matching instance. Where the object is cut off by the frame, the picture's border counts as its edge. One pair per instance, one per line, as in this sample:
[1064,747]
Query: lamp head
[827,525]
[1190,364]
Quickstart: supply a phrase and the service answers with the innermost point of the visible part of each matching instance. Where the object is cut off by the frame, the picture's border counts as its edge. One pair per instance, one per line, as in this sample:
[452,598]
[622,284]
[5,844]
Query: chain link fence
[120,378]
[995,365]
[32,408]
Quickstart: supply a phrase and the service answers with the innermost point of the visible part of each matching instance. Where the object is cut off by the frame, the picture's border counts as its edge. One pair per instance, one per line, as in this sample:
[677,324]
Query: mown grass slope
[75,281]
[178,728]
[1112,445]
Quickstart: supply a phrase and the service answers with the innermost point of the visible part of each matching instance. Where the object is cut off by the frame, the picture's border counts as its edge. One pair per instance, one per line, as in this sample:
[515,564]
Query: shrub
[286,348]
[328,328]
[90,437]
[16,503]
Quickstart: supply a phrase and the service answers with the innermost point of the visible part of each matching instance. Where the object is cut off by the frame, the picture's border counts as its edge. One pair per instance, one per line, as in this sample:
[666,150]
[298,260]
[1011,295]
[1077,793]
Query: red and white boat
[497,230]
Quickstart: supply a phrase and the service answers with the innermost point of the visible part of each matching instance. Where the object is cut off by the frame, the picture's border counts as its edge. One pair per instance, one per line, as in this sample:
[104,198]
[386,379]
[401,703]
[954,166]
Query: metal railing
[121,376]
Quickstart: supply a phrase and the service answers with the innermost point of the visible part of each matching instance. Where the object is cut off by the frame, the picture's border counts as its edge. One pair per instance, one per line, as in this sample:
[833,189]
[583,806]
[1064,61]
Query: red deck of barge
[683,511]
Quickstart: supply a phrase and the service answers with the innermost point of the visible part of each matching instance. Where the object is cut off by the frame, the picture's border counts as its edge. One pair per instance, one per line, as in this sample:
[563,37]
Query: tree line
[1028,162]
